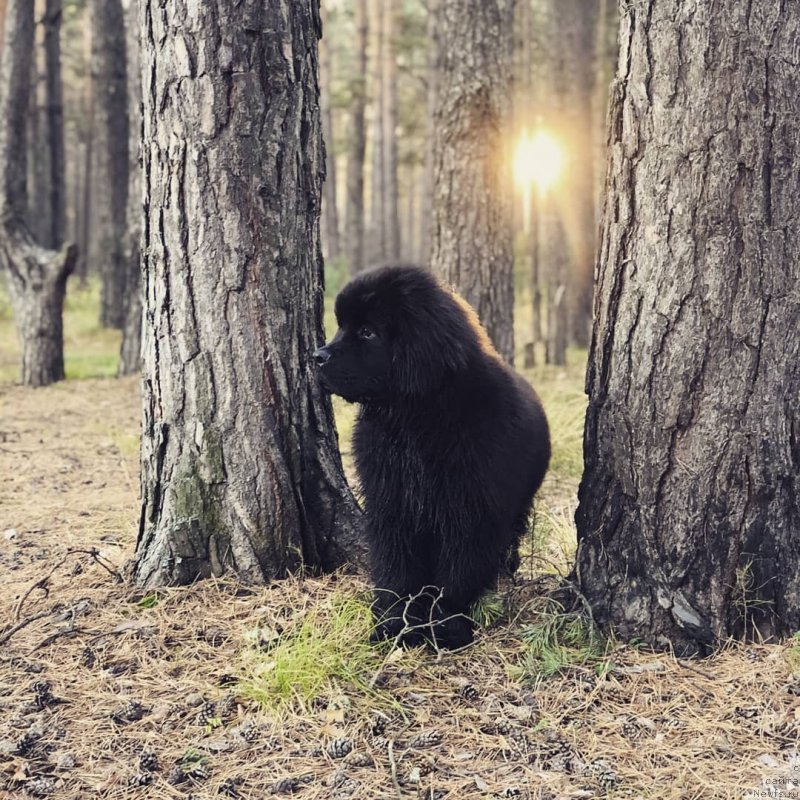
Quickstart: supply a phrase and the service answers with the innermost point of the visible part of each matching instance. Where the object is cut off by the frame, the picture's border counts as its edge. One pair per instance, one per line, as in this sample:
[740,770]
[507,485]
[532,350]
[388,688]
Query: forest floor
[222,690]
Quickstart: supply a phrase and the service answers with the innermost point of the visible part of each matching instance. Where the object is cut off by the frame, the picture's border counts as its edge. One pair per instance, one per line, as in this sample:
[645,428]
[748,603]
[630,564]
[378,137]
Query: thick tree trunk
[240,468]
[130,350]
[689,508]
[330,211]
[354,211]
[36,277]
[574,78]
[432,92]
[472,246]
[110,151]
[57,185]
[391,208]
[377,231]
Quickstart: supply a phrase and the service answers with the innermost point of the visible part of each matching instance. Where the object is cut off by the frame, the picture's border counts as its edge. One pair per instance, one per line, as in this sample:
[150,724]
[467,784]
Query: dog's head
[400,333]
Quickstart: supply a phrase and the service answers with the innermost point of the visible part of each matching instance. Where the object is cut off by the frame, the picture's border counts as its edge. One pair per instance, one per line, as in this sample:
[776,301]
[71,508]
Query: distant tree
[240,466]
[330,210]
[573,75]
[472,244]
[36,277]
[354,210]
[377,221]
[689,507]
[432,91]
[130,349]
[57,184]
[391,199]
[110,152]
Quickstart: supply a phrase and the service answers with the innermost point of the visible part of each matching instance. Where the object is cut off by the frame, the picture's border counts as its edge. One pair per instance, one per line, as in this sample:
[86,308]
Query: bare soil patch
[108,693]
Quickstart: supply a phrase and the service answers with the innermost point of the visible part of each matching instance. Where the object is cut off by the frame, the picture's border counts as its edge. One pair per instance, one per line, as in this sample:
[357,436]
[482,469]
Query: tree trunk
[330,211]
[472,215]
[57,184]
[240,466]
[130,350]
[605,68]
[432,91]
[36,277]
[689,508]
[377,222]
[354,212]
[391,208]
[38,150]
[110,150]
[83,208]
[574,77]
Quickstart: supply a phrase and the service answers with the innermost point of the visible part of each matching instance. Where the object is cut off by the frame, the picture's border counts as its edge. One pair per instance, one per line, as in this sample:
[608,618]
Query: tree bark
[391,209]
[83,211]
[38,150]
[55,125]
[130,360]
[110,151]
[240,467]
[354,212]
[689,508]
[472,245]
[377,237]
[330,211]
[36,277]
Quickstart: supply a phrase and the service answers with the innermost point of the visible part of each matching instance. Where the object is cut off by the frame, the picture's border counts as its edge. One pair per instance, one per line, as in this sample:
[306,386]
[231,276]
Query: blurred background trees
[384,71]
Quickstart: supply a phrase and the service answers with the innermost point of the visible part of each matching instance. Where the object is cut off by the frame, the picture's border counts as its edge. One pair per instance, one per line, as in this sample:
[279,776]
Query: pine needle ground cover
[221,690]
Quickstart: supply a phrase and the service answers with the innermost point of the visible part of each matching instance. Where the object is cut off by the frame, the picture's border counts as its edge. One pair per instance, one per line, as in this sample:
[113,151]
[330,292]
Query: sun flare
[538,160]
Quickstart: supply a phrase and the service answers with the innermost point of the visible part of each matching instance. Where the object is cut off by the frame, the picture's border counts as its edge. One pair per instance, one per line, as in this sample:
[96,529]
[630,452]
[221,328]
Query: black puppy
[450,445]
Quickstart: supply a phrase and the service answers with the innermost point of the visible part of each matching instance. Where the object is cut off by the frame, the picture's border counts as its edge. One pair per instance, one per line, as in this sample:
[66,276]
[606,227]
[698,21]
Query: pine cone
[207,713]
[226,707]
[88,657]
[176,775]
[426,739]
[469,692]
[229,786]
[360,760]
[140,779]
[26,742]
[378,725]
[199,771]
[130,712]
[339,748]
[41,787]
[42,695]
[148,761]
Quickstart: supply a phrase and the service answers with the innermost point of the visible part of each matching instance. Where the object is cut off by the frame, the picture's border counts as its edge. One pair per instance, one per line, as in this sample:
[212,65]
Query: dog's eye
[365,332]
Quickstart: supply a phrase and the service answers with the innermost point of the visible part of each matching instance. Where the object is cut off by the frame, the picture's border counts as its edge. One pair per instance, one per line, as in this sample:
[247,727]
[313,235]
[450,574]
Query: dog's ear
[433,337]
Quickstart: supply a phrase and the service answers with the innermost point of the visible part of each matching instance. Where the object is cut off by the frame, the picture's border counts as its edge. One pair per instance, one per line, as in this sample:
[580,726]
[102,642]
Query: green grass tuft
[323,655]
[488,610]
[557,639]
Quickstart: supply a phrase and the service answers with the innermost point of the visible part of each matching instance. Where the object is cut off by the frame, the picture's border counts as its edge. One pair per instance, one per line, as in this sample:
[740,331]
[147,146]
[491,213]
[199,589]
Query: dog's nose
[322,356]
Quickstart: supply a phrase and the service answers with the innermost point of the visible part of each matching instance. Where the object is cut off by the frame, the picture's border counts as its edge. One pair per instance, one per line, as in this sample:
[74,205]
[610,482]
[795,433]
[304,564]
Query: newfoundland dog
[450,447]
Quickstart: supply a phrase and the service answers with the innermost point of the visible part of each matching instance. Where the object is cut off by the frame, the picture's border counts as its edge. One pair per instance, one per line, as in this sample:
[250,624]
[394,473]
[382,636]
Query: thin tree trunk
[83,211]
[391,208]
[689,508]
[38,150]
[130,349]
[354,212]
[57,184]
[240,466]
[36,277]
[574,81]
[605,67]
[472,212]
[377,194]
[110,151]
[432,91]
[330,211]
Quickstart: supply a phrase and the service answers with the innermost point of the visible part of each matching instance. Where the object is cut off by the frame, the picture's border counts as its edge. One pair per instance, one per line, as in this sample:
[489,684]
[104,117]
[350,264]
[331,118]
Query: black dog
[450,444]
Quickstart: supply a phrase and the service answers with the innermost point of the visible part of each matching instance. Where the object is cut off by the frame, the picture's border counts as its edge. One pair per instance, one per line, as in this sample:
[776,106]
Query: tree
[354,210]
[573,75]
[130,349]
[55,124]
[432,91]
[240,467]
[689,507]
[110,151]
[472,220]
[391,210]
[36,277]
[330,211]
[377,222]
